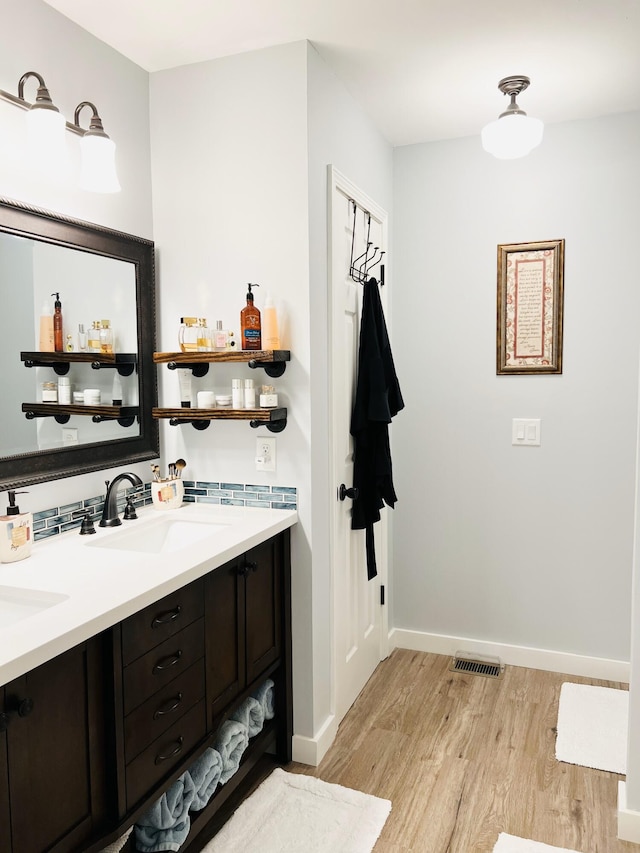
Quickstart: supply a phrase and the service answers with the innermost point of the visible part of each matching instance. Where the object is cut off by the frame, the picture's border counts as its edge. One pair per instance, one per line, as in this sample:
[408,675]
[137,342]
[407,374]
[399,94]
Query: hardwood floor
[463,758]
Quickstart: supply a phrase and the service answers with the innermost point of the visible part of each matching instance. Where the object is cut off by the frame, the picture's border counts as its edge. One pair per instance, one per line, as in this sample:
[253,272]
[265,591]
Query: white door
[359,617]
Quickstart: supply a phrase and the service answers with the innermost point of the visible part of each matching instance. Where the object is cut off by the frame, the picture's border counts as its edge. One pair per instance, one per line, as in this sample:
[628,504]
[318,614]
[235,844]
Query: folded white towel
[166,825]
[251,714]
[205,773]
[231,741]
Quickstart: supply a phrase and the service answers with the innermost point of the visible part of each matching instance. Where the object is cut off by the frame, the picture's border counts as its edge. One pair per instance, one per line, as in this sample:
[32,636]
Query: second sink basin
[159,537]
[17,604]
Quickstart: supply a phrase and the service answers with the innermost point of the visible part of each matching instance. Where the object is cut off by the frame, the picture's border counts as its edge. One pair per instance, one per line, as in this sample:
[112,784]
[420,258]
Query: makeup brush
[155,470]
[179,466]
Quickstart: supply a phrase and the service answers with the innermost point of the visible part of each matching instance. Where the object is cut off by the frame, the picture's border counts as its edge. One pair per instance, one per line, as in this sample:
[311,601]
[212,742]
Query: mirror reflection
[77,395]
[93,291]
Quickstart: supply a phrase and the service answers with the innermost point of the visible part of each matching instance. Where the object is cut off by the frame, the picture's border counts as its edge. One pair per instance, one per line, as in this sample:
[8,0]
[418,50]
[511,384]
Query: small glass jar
[188,334]
[106,337]
[49,392]
[93,338]
[203,340]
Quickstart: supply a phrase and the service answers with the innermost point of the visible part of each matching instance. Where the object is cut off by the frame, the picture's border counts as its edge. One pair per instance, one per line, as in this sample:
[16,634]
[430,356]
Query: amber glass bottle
[58,344]
[250,324]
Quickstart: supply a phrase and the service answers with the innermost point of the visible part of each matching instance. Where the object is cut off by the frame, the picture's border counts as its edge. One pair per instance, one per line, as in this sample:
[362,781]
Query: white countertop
[101,585]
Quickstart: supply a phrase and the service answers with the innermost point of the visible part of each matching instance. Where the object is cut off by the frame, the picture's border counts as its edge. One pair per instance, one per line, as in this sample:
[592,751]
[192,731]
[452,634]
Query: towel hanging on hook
[360,267]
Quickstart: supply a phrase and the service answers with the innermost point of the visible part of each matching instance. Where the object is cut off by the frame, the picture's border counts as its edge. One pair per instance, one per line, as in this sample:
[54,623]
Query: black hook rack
[360,267]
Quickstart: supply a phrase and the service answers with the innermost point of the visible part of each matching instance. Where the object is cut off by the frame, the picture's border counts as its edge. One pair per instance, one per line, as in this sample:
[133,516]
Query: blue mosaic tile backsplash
[50,522]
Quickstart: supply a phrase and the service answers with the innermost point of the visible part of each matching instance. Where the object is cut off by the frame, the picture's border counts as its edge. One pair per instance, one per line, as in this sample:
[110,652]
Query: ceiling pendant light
[98,152]
[514,134]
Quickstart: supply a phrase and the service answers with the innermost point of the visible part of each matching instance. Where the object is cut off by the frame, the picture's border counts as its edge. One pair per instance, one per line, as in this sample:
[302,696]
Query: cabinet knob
[21,707]
[248,566]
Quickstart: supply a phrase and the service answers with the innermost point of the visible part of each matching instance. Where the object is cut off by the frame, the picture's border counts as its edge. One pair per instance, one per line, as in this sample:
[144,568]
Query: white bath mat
[291,813]
[592,727]
[512,844]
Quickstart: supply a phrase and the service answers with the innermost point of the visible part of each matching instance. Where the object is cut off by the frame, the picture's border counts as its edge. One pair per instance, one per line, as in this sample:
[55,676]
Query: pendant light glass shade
[98,167]
[46,138]
[514,134]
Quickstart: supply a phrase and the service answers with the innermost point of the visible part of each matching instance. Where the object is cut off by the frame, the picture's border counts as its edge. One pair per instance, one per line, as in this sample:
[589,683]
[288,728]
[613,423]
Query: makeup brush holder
[167,494]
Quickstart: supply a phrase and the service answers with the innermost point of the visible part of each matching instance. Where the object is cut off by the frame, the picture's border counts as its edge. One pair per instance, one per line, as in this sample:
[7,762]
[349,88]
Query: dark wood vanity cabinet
[53,754]
[92,738]
[243,616]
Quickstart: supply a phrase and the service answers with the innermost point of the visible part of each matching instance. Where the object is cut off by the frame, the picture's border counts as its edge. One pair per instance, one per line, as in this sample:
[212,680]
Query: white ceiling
[422,69]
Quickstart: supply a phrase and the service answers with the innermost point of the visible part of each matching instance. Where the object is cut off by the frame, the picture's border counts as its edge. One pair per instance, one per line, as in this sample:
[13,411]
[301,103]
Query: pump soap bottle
[16,532]
[57,324]
[250,325]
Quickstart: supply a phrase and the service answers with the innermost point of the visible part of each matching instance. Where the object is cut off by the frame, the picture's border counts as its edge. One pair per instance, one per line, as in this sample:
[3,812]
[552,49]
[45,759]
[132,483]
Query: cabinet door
[262,568]
[225,647]
[5,824]
[54,744]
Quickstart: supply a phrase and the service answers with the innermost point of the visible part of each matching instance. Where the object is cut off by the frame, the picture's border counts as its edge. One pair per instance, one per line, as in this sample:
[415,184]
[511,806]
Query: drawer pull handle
[167,708]
[167,663]
[160,758]
[166,617]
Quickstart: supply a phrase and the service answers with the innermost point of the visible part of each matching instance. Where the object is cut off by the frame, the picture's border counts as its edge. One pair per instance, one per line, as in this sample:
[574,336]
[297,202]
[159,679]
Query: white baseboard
[545,659]
[628,820]
[311,750]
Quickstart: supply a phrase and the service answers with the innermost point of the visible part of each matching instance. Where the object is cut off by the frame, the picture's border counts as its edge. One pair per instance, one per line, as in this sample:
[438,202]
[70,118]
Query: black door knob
[344,492]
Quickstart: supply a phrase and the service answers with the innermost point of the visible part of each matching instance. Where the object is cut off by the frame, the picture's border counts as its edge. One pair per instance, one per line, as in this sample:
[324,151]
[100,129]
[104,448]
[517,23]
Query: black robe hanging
[378,399]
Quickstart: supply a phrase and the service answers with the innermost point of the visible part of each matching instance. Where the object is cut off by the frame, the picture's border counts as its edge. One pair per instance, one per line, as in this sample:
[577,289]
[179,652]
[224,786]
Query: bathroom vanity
[120,656]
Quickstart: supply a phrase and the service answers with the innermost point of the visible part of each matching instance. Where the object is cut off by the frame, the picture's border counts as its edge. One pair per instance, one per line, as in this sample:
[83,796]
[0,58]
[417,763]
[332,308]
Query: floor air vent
[476,665]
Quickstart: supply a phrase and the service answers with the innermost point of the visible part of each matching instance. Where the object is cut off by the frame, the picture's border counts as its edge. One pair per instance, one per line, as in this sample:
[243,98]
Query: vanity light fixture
[98,152]
[514,134]
[45,128]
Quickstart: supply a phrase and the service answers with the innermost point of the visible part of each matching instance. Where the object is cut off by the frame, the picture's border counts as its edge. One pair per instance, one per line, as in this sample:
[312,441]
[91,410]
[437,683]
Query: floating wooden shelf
[275,420]
[274,362]
[124,362]
[125,415]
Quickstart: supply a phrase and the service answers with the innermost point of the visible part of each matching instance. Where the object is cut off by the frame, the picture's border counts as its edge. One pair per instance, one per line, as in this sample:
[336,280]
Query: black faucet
[110,511]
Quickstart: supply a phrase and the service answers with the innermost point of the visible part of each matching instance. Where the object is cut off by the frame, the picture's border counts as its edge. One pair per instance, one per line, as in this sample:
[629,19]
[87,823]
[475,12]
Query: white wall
[229,158]
[342,135]
[524,546]
[76,67]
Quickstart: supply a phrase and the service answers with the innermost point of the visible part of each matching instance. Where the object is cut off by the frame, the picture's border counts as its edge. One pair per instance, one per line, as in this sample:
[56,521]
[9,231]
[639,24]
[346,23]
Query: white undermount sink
[17,604]
[158,537]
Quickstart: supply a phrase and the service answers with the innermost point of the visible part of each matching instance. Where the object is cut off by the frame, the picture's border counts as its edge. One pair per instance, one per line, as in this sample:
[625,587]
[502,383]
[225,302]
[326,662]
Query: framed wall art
[530,307]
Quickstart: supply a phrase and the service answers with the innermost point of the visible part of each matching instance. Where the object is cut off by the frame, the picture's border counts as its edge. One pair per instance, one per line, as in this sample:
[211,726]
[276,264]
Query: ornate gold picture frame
[530,307]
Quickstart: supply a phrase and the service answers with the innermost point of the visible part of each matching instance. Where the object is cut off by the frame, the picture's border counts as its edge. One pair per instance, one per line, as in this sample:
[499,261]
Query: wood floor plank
[464,757]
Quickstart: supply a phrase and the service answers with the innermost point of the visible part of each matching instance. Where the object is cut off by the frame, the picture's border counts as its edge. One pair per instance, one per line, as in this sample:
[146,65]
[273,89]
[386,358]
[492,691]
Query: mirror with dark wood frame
[98,273]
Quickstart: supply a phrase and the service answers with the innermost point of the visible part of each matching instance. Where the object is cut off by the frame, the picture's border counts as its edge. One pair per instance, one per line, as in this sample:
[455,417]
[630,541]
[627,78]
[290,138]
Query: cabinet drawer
[146,675]
[162,619]
[153,717]
[163,754]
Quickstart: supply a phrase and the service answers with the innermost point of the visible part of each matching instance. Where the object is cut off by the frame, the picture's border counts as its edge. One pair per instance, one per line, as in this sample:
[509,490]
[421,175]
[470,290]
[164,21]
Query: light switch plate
[526,432]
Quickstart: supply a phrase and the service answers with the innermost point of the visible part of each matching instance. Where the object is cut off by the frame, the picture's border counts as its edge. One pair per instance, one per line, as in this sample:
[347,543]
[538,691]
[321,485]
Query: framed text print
[530,307]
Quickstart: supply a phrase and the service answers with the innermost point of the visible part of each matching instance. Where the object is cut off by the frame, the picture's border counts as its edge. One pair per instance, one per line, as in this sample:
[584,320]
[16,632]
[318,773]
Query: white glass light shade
[512,136]
[98,169]
[47,142]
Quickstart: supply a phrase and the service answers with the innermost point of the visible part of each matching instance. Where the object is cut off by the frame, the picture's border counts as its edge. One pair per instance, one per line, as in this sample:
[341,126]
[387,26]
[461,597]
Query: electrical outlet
[69,435]
[265,453]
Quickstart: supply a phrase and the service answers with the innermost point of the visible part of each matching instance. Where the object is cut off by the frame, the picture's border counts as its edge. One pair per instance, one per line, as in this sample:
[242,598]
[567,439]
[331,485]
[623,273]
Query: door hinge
[382,594]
